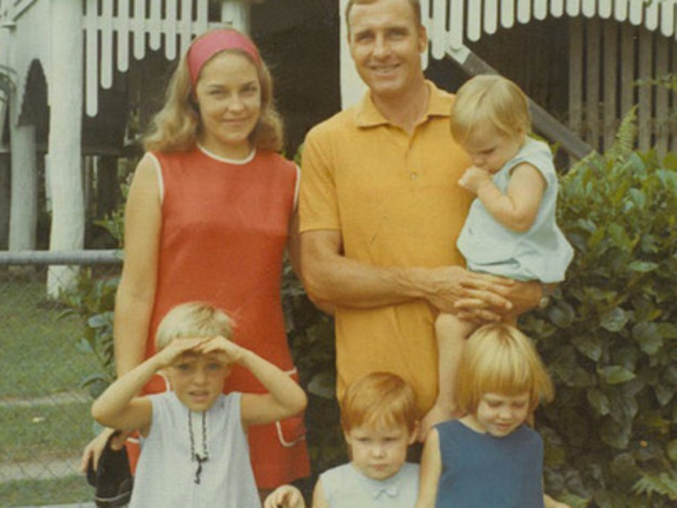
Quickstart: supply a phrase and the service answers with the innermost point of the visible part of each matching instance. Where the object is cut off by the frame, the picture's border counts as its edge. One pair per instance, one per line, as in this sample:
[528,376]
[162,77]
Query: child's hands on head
[176,348]
[285,496]
[474,178]
[231,352]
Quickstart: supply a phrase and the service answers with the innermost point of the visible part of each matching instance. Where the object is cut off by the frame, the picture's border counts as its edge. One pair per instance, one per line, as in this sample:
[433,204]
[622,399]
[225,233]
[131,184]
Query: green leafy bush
[610,337]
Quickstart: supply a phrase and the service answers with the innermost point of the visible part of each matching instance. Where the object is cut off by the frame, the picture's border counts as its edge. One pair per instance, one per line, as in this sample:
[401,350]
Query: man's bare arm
[331,277]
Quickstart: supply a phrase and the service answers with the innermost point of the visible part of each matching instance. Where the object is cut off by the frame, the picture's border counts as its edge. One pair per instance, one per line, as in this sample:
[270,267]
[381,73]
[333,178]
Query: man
[381,209]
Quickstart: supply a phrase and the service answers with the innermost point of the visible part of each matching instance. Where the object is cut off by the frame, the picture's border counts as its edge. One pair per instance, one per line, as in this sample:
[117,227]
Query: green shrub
[610,337]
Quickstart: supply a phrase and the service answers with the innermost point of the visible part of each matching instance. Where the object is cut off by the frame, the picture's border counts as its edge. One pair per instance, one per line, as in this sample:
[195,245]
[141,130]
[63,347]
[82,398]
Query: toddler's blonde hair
[492,99]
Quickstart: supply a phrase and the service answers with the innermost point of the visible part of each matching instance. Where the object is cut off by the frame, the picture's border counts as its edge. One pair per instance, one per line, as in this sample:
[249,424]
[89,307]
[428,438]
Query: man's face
[386,44]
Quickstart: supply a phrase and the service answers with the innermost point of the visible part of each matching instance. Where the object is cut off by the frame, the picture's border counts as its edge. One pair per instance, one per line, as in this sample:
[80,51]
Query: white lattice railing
[119,31]
[594,110]
[452,22]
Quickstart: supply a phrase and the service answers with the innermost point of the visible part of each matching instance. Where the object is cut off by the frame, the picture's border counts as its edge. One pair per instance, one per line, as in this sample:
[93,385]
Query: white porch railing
[450,23]
[119,30]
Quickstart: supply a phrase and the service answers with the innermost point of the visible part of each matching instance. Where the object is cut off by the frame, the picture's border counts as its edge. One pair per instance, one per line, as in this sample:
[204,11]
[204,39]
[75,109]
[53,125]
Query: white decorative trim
[237,162]
[297,187]
[158,173]
[283,441]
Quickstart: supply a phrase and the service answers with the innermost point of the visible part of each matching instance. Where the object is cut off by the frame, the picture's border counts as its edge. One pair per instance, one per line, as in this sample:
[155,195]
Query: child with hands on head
[511,229]
[490,457]
[379,418]
[194,450]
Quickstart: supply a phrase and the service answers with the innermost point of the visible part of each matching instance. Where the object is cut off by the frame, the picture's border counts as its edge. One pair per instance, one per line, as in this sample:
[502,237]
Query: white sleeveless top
[166,474]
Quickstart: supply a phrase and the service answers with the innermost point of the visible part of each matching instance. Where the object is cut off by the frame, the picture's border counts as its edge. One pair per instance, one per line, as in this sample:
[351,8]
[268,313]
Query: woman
[211,208]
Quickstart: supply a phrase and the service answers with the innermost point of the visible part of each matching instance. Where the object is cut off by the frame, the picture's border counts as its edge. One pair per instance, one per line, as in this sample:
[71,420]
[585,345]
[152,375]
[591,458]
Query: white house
[68,55]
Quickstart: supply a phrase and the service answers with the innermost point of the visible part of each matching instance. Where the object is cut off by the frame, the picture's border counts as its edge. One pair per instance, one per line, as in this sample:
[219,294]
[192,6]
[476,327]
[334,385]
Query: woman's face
[229,97]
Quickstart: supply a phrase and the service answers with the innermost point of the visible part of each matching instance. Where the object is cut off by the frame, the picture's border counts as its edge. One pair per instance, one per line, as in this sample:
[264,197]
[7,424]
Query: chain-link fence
[44,408]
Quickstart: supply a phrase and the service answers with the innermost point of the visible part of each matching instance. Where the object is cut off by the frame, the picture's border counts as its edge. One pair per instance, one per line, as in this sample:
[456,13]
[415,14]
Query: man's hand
[468,295]
[524,296]
[521,297]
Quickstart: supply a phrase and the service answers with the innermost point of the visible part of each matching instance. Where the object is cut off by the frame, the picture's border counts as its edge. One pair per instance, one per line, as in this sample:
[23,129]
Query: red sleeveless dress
[224,233]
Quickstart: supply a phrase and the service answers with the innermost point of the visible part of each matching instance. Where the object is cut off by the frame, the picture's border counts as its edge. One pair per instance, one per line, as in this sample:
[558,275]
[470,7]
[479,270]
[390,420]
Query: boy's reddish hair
[379,399]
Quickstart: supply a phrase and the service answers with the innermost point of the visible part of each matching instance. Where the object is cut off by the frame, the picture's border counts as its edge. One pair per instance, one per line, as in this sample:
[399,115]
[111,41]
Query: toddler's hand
[473,178]
[232,352]
[285,496]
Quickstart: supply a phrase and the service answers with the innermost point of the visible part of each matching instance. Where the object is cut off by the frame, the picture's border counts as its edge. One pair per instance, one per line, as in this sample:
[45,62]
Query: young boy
[194,448]
[379,418]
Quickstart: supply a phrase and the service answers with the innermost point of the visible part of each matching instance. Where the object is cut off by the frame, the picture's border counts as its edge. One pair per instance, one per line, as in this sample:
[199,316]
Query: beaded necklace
[202,455]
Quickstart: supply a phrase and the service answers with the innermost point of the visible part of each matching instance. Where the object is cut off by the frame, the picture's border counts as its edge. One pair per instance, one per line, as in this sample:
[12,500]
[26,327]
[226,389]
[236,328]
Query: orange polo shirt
[395,199]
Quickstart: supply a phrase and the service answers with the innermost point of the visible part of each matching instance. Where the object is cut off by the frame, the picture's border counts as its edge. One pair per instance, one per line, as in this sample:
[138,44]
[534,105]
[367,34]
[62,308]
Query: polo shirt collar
[366,114]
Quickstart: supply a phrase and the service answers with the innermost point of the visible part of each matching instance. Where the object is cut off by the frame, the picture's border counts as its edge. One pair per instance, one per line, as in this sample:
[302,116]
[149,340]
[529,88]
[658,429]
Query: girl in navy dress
[491,456]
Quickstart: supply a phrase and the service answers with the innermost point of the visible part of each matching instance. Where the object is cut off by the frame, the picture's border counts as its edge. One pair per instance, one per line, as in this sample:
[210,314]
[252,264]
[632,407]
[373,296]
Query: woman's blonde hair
[379,400]
[492,99]
[177,126]
[498,358]
[193,319]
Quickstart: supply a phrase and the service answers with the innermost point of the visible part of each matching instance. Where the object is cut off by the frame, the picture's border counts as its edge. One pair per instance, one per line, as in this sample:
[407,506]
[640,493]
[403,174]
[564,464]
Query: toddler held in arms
[511,229]
[194,450]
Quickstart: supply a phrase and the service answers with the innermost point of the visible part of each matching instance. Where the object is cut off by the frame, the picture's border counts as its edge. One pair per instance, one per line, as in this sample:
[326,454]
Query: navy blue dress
[480,470]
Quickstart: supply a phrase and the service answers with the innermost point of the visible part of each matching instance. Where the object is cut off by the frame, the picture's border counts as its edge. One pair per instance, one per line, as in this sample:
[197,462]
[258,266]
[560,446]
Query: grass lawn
[38,350]
[69,490]
[44,415]
[44,432]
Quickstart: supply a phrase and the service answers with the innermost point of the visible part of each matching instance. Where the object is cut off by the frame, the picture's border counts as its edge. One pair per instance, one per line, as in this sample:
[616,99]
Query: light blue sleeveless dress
[346,487]
[542,253]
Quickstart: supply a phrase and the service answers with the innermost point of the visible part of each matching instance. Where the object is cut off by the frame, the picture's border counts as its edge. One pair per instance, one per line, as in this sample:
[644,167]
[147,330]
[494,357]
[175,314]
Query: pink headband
[214,42]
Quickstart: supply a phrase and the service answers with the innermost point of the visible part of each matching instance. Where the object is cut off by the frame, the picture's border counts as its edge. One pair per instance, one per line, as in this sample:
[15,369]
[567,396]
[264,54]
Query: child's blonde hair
[493,99]
[380,400]
[194,319]
[498,358]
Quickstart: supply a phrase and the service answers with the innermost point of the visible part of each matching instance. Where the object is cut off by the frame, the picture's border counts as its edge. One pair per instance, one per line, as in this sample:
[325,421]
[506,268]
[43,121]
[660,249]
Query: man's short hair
[415,5]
